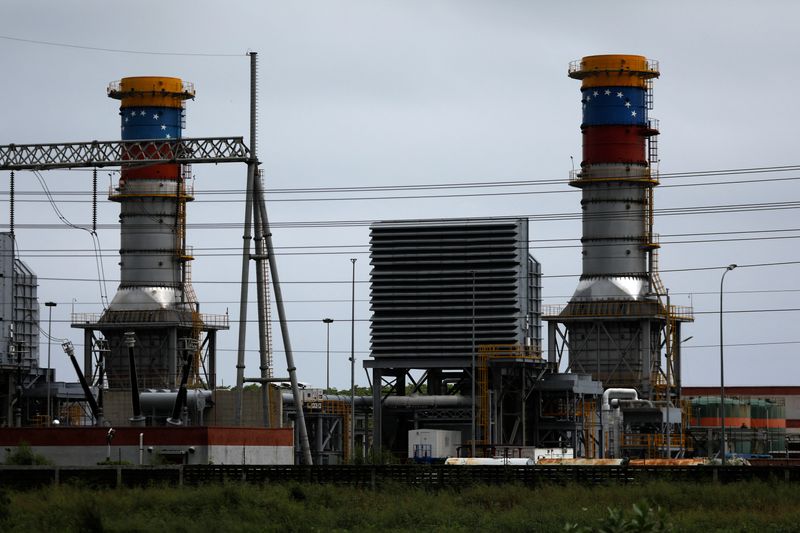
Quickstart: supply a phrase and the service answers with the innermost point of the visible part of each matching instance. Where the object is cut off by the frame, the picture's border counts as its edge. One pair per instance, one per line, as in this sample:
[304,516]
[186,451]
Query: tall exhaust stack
[152,200]
[617,323]
[155,300]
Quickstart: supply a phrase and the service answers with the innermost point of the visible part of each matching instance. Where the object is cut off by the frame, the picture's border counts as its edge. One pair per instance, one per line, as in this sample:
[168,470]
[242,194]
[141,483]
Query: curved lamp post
[722,367]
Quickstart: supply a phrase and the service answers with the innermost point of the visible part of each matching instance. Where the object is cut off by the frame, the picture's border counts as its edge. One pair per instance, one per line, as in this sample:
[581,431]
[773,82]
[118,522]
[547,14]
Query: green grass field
[753,506]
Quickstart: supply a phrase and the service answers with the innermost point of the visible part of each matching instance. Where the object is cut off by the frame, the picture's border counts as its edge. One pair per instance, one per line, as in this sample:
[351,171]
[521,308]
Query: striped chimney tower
[616,176]
[616,322]
[152,197]
[153,324]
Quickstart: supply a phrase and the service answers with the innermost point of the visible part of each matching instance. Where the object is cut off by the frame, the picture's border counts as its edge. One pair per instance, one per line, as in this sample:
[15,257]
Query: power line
[492,184]
[83,254]
[499,183]
[544,217]
[338,282]
[683,347]
[349,248]
[115,50]
[426,196]
[559,297]
[234,320]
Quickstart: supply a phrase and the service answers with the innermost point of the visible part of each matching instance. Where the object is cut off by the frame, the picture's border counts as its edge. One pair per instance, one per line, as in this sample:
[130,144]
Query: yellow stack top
[151,91]
[613,70]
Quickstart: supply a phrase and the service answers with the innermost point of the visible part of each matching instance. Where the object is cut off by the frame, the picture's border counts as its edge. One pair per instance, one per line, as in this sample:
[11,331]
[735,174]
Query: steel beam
[117,153]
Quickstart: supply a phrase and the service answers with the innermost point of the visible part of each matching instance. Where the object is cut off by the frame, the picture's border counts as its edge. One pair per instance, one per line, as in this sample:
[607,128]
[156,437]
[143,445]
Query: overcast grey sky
[365,93]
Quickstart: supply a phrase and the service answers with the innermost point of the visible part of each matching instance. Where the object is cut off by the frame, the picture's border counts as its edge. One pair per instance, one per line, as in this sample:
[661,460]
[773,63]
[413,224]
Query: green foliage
[644,519]
[5,507]
[423,389]
[88,518]
[297,493]
[314,507]
[374,457]
[24,455]
[360,391]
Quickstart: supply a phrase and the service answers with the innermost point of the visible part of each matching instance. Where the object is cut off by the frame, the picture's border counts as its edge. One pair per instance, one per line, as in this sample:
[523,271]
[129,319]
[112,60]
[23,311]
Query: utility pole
[474,433]
[327,322]
[353,365]
[50,306]
[722,367]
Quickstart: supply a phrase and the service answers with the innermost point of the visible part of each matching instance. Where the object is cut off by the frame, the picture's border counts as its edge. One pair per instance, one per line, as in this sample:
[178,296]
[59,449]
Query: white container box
[433,444]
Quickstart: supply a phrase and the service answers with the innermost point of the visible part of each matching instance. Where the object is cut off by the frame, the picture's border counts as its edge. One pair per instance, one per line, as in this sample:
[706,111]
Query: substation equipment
[152,334]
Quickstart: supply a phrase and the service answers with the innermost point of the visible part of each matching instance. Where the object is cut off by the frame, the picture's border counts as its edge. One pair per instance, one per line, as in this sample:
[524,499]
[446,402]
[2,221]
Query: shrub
[5,507]
[24,455]
[644,519]
[88,518]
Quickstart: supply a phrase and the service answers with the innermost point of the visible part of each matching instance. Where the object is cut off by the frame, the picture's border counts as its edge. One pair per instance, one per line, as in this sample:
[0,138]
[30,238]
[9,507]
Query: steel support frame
[569,430]
[640,347]
[515,384]
[395,379]
[326,431]
[513,387]
[129,153]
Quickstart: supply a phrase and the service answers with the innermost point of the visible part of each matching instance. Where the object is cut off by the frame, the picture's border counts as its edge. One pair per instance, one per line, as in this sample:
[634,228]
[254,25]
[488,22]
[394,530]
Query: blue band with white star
[150,123]
[607,106]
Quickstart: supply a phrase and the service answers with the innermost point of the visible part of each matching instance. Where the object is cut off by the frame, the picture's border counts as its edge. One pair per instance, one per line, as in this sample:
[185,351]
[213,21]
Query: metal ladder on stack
[197,327]
[658,285]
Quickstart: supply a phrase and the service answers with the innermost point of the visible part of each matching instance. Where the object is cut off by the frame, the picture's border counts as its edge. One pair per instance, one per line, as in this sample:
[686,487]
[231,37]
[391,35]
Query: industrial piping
[618,393]
[609,425]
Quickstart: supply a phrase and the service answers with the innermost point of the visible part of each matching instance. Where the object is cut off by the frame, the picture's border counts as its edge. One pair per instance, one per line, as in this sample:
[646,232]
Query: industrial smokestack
[152,199]
[155,301]
[616,326]
[616,177]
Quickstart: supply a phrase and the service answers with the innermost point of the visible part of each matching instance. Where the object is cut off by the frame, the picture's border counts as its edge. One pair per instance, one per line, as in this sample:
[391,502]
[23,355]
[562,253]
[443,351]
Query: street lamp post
[722,367]
[50,306]
[327,322]
[353,365]
[474,433]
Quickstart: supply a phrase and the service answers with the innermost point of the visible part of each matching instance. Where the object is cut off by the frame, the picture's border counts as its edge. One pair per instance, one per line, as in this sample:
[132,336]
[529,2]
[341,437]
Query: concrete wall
[223,411]
[88,446]
[250,455]
[118,408]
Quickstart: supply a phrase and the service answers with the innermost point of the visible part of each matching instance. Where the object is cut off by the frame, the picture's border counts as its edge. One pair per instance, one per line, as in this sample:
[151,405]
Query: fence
[374,476]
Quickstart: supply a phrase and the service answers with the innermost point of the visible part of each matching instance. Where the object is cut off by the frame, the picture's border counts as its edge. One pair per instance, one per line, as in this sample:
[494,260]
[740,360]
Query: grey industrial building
[456,335]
